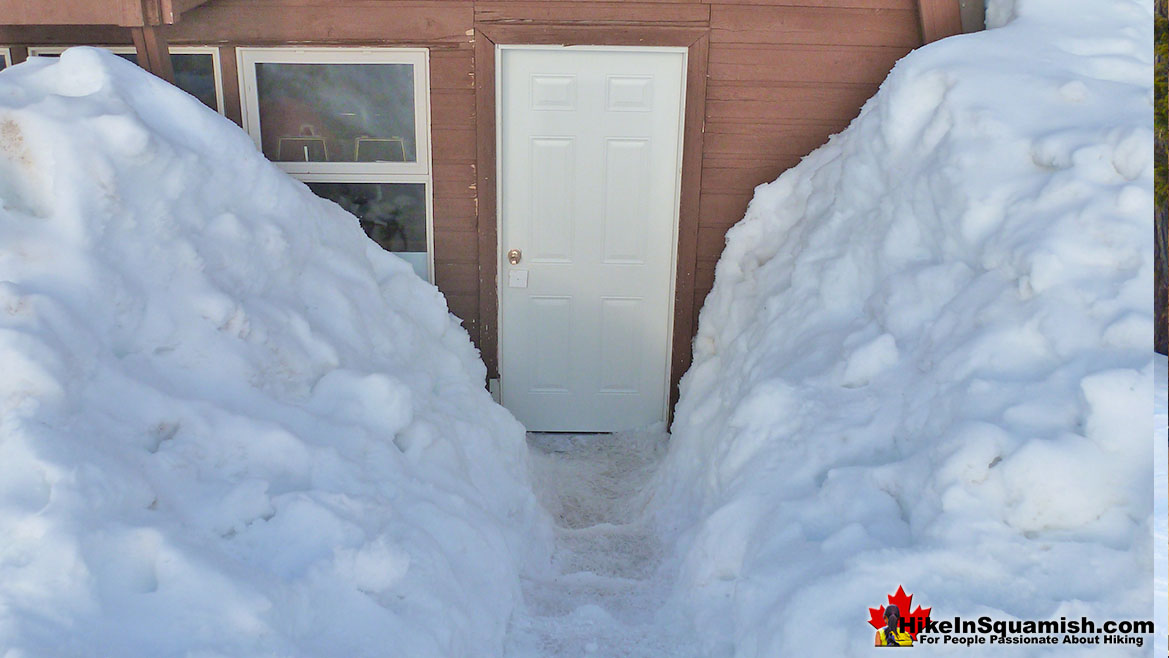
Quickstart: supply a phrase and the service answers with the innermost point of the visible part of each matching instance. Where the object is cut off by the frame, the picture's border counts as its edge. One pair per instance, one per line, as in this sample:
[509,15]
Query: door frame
[696,42]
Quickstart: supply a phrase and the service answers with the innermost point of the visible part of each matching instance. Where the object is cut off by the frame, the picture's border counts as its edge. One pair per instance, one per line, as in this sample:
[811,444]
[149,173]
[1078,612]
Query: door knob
[514,256]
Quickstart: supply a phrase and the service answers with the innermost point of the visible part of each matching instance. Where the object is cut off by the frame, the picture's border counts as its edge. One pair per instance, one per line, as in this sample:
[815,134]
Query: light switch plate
[517,279]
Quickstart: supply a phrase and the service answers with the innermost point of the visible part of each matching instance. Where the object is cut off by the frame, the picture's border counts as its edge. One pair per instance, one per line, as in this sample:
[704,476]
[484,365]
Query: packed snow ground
[230,425]
[927,357]
[605,595]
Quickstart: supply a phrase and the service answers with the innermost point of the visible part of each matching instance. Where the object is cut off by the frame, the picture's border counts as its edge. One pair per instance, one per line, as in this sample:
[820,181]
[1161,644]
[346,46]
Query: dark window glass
[391,214]
[337,112]
[195,74]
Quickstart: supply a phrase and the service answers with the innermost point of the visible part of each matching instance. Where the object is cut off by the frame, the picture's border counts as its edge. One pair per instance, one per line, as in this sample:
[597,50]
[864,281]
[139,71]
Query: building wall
[783,75]
[781,80]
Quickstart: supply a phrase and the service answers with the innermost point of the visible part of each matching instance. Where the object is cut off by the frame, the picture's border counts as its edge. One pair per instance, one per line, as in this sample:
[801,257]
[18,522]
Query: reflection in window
[337,112]
[391,214]
[195,74]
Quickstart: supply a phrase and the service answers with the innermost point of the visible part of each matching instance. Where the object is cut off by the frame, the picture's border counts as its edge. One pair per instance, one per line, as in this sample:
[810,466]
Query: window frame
[215,66]
[6,54]
[249,56]
[428,194]
[34,51]
[173,50]
[419,172]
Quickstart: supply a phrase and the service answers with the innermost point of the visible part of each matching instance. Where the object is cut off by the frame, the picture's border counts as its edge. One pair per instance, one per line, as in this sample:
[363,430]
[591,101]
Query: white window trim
[248,57]
[7,54]
[174,50]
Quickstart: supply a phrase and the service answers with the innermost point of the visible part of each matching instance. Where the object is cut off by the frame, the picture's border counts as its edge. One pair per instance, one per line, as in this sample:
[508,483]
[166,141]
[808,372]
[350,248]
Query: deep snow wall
[229,423]
[927,357]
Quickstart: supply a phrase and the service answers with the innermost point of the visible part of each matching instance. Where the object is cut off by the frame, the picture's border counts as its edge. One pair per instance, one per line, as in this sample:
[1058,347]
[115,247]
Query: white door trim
[677,201]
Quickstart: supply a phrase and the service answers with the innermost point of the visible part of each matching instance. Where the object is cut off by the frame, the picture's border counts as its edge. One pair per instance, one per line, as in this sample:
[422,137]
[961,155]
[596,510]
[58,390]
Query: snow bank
[927,357]
[229,423]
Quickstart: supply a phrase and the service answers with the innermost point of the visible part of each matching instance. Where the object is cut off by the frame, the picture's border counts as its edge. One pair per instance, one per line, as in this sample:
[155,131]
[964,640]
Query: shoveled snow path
[604,597]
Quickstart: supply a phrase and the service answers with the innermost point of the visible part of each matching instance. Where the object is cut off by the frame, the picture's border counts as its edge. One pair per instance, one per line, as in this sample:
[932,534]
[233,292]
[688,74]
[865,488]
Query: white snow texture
[230,425]
[927,361]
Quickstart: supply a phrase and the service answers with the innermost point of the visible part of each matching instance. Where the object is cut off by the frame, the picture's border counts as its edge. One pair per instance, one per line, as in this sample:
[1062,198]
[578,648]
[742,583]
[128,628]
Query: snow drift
[229,423]
[926,360]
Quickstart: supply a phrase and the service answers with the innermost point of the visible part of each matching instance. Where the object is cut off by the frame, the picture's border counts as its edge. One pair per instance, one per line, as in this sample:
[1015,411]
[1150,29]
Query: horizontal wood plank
[720,211]
[454,179]
[452,108]
[712,240]
[592,35]
[755,103]
[853,26]
[654,2]
[453,246]
[864,4]
[466,308]
[71,12]
[457,278]
[771,142]
[453,144]
[454,213]
[327,21]
[798,63]
[592,12]
[452,69]
[730,176]
[58,35]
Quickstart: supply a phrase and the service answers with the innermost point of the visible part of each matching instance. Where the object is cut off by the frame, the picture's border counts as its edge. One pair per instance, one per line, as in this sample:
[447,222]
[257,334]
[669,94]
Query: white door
[590,159]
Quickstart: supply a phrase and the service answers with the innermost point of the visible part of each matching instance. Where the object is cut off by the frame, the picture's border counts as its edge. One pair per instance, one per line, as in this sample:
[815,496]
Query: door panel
[620,371]
[626,194]
[552,164]
[550,319]
[590,149]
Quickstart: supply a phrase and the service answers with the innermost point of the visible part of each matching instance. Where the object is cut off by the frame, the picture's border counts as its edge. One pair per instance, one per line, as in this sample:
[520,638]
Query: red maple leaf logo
[913,622]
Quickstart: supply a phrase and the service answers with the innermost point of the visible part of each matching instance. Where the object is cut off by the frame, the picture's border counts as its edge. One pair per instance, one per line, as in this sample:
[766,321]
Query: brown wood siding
[784,76]
[777,78]
[833,26]
[73,12]
[288,22]
[57,35]
[568,12]
[452,117]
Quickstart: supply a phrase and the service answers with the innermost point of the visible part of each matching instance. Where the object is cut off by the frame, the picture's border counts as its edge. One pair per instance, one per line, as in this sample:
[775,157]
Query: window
[196,69]
[5,58]
[125,52]
[197,73]
[353,124]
